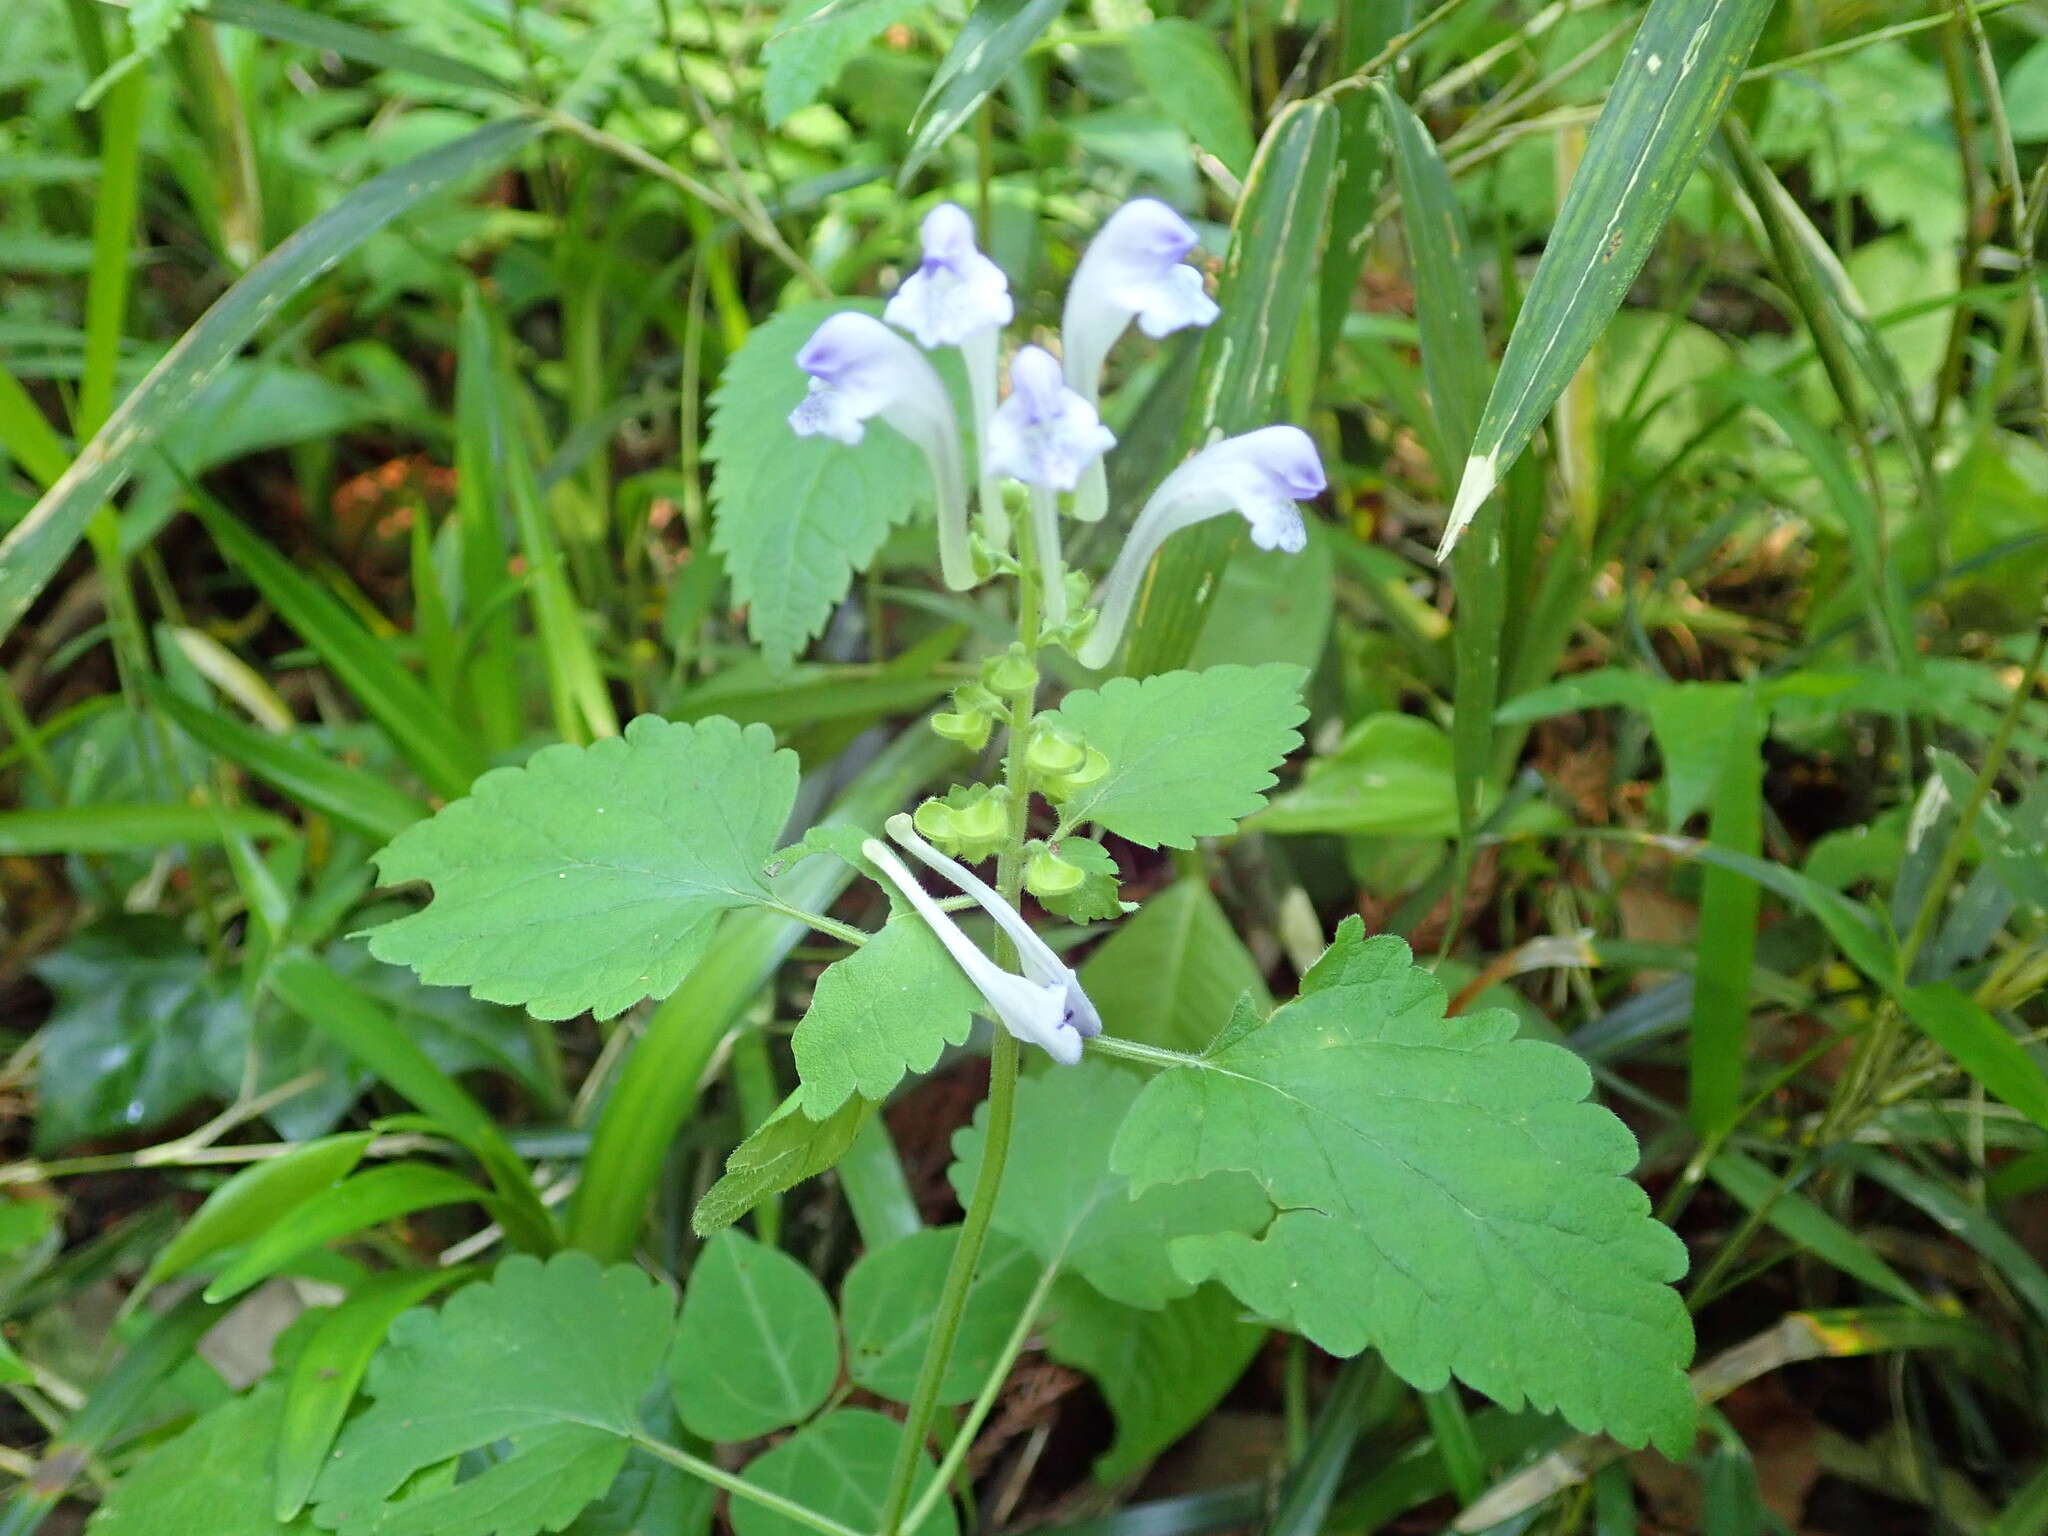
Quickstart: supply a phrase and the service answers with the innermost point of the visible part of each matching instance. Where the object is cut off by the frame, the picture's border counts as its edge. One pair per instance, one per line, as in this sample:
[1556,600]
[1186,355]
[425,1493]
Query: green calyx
[970,823]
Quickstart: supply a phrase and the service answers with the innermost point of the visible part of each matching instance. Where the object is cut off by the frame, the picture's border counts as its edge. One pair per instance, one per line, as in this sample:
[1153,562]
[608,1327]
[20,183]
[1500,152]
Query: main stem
[1002,1078]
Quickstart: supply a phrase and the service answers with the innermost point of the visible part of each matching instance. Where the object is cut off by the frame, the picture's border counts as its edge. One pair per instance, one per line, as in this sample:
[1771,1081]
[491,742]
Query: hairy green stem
[1002,1082]
[978,1411]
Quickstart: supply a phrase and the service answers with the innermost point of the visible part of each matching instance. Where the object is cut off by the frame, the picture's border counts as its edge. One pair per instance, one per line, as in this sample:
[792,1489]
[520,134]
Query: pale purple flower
[1132,270]
[860,370]
[1260,475]
[1044,434]
[957,297]
[1039,1009]
[956,292]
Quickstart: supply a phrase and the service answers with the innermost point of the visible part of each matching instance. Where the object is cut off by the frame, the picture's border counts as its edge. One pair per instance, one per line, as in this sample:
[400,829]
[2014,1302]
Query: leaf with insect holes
[1443,1193]
[1190,753]
[888,1008]
[795,517]
[594,876]
[543,1368]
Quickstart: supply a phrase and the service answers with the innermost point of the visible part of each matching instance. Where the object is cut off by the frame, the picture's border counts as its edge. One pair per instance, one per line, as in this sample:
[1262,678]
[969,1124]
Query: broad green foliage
[838,1467]
[795,517]
[814,41]
[594,876]
[546,1364]
[755,1347]
[212,1480]
[888,1008]
[1162,1371]
[888,1300]
[1444,1194]
[1171,975]
[1061,1198]
[1190,753]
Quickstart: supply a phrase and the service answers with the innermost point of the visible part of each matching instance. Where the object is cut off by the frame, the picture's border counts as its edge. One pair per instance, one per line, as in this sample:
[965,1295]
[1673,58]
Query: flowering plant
[1352,1166]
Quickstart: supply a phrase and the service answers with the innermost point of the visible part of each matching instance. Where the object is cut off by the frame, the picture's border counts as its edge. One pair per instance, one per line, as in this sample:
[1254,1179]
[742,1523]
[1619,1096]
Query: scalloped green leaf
[1190,753]
[594,876]
[1443,1192]
[541,1371]
[1063,1200]
[888,1008]
[756,1349]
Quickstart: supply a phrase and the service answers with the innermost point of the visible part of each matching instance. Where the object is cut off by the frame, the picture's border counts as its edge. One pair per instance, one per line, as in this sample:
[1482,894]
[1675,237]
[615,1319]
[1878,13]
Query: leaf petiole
[740,1488]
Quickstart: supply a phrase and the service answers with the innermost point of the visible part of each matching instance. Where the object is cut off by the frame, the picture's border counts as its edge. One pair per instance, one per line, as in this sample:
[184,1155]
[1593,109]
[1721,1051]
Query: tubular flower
[1260,475]
[959,298]
[1037,958]
[1132,270]
[1045,434]
[956,292]
[860,369]
[1038,1012]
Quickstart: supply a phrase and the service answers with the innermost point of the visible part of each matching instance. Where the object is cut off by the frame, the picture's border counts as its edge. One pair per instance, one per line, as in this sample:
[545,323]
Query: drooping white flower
[1033,953]
[957,297]
[1038,1012]
[1260,474]
[860,370]
[1132,270]
[956,292]
[1044,434]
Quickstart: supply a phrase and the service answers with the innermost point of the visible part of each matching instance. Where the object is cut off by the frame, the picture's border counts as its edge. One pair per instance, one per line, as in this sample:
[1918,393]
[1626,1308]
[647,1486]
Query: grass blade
[419,727]
[1729,904]
[989,46]
[318,783]
[361,1025]
[1673,86]
[127,828]
[1276,248]
[39,544]
[293,24]
[1454,366]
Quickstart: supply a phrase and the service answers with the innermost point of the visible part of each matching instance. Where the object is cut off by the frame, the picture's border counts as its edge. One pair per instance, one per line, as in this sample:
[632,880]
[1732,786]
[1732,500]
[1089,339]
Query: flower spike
[957,297]
[1260,475]
[1034,1011]
[1033,953]
[860,369]
[1132,270]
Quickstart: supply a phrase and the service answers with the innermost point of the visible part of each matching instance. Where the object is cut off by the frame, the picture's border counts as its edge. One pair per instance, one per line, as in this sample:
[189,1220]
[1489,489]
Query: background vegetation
[356,401]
